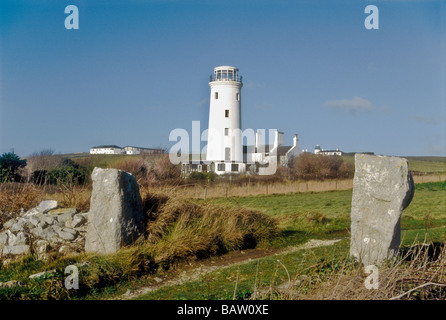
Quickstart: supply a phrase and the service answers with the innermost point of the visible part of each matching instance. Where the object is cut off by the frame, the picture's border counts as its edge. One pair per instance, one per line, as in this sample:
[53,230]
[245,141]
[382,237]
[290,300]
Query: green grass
[272,270]
[428,165]
[301,216]
[424,219]
[327,214]
[108,160]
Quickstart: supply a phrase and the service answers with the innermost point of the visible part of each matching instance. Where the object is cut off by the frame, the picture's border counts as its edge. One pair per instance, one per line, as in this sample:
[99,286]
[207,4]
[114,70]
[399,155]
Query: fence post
[205,190]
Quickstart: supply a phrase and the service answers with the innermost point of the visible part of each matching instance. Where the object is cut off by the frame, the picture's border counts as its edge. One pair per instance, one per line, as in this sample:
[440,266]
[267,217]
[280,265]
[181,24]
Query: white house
[319,150]
[139,150]
[113,149]
[106,149]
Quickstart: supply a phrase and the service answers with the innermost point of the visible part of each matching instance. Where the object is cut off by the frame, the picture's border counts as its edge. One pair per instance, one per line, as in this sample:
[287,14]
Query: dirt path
[195,270]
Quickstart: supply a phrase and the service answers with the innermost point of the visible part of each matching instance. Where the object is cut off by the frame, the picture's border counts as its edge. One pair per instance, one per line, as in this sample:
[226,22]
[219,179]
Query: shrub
[319,167]
[69,173]
[165,170]
[136,166]
[9,165]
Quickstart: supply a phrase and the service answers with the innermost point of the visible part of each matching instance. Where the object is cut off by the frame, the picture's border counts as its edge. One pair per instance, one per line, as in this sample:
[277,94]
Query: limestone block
[382,189]
[116,217]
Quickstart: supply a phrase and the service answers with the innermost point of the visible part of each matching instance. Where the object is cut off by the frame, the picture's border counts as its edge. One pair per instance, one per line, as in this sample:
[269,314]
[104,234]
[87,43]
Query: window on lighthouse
[237,96]
[226,131]
[226,113]
[216,95]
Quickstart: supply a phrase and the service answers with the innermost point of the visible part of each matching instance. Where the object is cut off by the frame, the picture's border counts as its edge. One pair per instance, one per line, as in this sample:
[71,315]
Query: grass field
[427,165]
[324,215]
[301,216]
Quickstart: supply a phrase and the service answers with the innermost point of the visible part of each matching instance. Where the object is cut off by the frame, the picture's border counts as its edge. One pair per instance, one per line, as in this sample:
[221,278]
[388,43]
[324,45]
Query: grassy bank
[181,230]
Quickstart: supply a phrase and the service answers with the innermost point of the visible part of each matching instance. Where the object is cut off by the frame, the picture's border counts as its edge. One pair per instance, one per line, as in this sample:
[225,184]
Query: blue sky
[135,70]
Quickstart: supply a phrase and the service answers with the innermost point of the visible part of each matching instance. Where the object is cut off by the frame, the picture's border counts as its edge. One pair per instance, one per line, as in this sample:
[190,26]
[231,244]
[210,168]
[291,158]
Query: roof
[331,150]
[107,146]
[283,150]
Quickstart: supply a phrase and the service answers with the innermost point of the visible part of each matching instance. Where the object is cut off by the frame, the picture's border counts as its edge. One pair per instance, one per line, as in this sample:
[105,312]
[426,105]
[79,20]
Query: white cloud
[254,85]
[351,105]
[431,120]
[436,149]
[202,102]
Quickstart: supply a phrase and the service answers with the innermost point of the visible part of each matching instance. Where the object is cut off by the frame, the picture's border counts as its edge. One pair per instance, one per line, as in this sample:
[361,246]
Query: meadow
[302,217]
[245,240]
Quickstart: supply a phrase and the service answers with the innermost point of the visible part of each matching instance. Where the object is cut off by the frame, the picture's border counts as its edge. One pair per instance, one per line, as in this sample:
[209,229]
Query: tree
[9,164]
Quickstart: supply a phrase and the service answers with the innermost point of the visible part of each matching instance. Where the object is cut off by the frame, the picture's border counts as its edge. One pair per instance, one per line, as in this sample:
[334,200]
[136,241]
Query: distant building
[114,149]
[319,150]
[139,150]
[106,149]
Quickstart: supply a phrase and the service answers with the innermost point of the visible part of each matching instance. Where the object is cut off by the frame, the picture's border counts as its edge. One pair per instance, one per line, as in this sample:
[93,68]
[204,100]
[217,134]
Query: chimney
[295,140]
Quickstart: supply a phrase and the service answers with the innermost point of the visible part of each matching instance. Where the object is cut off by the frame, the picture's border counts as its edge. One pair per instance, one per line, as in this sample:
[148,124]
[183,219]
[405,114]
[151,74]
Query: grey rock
[10,284]
[67,234]
[66,218]
[47,205]
[42,224]
[62,211]
[41,274]
[4,237]
[31,212]
[16,250]
[3,240]
[116,216]
[35,220]
[48,219]
[47,233]
[78,221]
[382,189]
[21,238]
[65,250]
[8,224]
[41,249]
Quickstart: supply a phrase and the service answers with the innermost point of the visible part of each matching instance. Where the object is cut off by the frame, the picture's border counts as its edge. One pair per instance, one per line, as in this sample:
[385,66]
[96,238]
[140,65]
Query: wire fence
[228,189]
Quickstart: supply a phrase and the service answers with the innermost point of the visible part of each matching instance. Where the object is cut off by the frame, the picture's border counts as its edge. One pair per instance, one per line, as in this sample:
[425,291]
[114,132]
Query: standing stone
[382,189]
[116,217]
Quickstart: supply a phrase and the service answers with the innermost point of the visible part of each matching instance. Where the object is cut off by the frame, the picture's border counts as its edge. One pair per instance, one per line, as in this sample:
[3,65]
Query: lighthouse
[225,148]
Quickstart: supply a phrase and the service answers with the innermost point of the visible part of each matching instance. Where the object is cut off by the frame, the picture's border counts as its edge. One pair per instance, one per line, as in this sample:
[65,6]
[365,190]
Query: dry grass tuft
[15,196]
[181,229]
[419,273]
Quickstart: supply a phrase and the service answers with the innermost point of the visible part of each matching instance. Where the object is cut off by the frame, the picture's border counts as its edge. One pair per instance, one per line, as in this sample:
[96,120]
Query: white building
[319,150]
[113,149]
[139,150]
[225,150]
[106,149]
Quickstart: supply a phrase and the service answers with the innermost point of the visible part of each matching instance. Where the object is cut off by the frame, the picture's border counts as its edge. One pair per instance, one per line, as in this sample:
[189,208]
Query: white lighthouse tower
[225,148]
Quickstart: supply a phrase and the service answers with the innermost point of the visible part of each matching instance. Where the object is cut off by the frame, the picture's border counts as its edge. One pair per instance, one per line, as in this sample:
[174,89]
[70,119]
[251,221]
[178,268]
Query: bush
[195,175]
[136,166]
[165,170]
[315,166]
[9,165]
[69,173]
